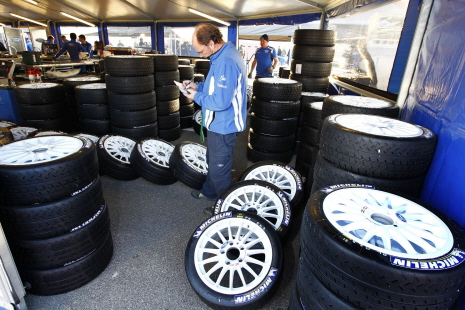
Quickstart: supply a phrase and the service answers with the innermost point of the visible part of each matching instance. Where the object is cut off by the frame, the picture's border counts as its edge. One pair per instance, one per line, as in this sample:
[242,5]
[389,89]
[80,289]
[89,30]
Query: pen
[189,83]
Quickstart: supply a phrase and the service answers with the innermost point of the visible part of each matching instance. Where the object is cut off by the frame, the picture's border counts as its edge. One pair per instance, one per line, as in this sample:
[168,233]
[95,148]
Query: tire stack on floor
[184,62]
[70,84]
[384,152]
[93,108]
[202,66]
[166,72]
[186,108]
[53,212]
[284,72]
[312,56]
[131,96]
[43,106]
[307,132]
[198,78]
[276,108]
[362,248]
[346,105]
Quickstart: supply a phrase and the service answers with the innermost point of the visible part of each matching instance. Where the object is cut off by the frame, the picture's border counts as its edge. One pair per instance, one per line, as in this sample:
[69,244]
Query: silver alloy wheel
[21,132]
[233,256]
[276,81]
[387,223]
[119,148]
[6,124]
[49,133]
[92,86]
[377,125]
[257,199]
[196,156]
[198,117]
[83,79]
[157,151]
[39,150]
[362,102]
[275,175]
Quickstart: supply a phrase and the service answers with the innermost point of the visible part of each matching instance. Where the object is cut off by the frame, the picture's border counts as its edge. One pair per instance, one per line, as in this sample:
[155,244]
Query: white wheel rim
[257,199]
[377,125]
[233,256]
[387,223]
[158,152]
[275,175]
[6,124]
[39,150]
[317,105]
[49,133]
[90,137]
[362,102]
[21,132]
[198,117]
[93,86]
[83,79]
[276,81]
[119,148]
[39,85]
[196,156]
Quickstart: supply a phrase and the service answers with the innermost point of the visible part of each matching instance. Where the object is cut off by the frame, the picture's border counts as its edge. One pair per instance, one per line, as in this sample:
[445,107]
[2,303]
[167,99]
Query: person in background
[73,48]
[141,42]
[50,40]
[119,43]
[29,46]
[63,40]
[223,98]
[265,59]
[87,45]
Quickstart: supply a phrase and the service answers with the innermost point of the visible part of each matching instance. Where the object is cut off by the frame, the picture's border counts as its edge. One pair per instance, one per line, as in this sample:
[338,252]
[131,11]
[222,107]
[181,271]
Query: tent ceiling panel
[160,10]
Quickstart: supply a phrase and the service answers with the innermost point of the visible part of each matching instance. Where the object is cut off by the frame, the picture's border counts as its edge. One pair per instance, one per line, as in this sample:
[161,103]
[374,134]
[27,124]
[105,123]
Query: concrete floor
[151,225]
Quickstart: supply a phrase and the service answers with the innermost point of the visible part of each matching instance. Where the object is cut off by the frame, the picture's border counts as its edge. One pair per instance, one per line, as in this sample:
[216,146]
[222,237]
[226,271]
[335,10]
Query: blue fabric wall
[437,101]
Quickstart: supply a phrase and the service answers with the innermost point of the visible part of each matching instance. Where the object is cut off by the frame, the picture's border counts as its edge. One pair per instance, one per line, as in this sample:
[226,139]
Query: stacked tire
[53,212]
[131,96]
[186,105]
[276,108]
[42,105]
[284,72]
[188,164]
[198,78]
[312,55]
[166,72]
[387,153]
[202,66]
[70,84]
[363,248]
[93,108]
[307,132]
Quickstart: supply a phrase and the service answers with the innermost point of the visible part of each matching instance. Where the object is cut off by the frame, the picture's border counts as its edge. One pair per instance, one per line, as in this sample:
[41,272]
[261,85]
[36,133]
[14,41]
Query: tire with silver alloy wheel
[188,162]
[342,104]
[39,93]
[257,197]
[378,250]
[43,169]
[150,159]
[20,132]
[196,123]
[279,174]
[377,146]
[114,153]
[7,124]
[234,261]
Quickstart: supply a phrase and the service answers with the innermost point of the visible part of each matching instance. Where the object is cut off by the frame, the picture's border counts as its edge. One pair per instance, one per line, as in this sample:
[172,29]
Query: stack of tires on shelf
[273,124]
[42,105]
[312,55]
[73,115]
[166,72]
[234,259]
[131,96]
[93,108]
[53,212]
[363,248]
[186,109]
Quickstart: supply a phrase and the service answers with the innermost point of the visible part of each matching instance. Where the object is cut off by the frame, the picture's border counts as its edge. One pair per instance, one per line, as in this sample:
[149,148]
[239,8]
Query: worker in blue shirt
[29,46]
[87,45]
[73,48]
[265,59]
[50,40]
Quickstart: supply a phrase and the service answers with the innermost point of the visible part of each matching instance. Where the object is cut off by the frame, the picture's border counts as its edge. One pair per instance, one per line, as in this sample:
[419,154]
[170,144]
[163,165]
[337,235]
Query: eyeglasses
[202,50]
